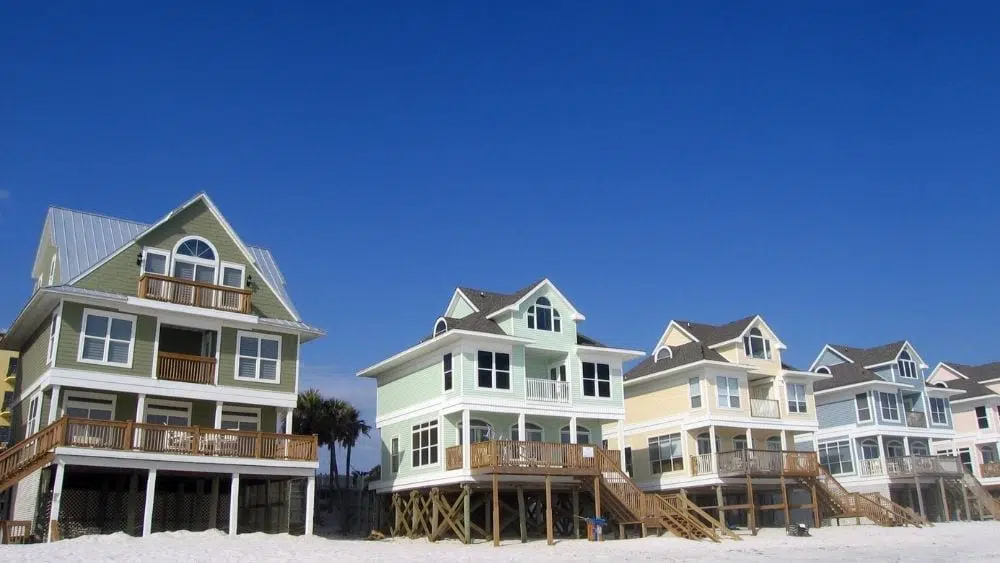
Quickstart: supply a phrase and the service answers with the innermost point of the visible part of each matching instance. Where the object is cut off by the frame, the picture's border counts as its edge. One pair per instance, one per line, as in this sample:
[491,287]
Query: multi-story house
[158,373]
[879,423]
[976,415]
[712,406]
[505,384]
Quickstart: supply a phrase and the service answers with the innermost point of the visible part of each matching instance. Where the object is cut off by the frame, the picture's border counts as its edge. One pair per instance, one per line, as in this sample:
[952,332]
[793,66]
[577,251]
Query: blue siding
[837,413]
[899,404]
[884,372]
[828,358]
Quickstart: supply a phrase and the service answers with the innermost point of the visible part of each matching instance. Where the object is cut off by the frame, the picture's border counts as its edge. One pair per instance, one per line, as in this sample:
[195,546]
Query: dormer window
[756,346]
[440,327]
[907,367]
[542,316]
[663,353]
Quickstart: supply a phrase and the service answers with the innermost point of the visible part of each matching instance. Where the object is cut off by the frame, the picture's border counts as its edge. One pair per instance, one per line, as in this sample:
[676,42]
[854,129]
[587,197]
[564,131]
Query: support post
[548,509]
[213,507]
[522,428]
[965,502]
[784,440]
[147,515]
[310,503]
[816,517]
[522,516]
[572,430]
[56,499]
[784,500]
[597,497]
[218,415]
[713,449]
[466,439]
[721,502]
[749,440]
[467,508]
[54,405]
[576,512]
[944,500]
[133,492]
[234,503]
[752,513]
[288,420]
[496,511]
[920,495]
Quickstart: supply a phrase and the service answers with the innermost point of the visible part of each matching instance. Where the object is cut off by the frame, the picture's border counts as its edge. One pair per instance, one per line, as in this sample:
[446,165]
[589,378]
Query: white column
[54,405]
[621,441]
[288,421]
[881,456]
[147,515]
[218,415]
[572,430]
[140,409]
[522,429]
[234,503]
[749,439]
[712,449]
[906,445]
[310,503]
[784,440]
[56,495]
[466,438]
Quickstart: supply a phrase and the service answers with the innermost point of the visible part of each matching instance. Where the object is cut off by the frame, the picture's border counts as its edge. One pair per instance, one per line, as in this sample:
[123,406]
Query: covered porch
[731,450]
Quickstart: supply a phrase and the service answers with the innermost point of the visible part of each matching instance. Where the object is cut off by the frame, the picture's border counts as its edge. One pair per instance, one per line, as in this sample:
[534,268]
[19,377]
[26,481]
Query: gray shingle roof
[871,356]
[982,372]
[583,340]
[84,239]
[713,334]
[490,301]
[973,389]
[680,355]
[846,374]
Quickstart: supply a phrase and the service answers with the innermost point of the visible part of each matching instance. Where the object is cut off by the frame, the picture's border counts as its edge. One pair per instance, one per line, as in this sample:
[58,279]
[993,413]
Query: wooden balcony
[185,368]
[990,469]
[765,408]
[529,458]
[917,465]
[767,463]
[196,294]
[453,458]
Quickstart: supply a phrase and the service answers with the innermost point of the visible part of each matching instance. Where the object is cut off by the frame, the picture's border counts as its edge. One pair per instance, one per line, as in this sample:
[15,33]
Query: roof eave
[623,352]
[456,334]
[684,367]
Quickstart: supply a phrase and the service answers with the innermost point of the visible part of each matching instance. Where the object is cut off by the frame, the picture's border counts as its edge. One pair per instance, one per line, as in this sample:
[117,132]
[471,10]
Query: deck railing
[916,419]
[990,469]
[767,463]
[184,367]
[765,408]
[703,464]
[194,293]
[453,458]
[547,390]
[870,468]
[908,466]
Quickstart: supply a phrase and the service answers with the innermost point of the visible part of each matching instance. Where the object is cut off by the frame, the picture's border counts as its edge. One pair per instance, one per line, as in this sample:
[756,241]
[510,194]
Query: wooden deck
[756,463]
[196,294]
[511,457]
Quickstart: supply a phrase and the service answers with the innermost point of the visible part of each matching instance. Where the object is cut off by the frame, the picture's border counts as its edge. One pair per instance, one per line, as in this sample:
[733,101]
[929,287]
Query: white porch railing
[870,468]
[703,464]
[547,390]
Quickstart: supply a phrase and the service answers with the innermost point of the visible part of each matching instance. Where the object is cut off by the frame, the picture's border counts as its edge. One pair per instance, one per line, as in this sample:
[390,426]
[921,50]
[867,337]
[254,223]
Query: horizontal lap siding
[838,413]
[227,363]
[423,381]
[71,326]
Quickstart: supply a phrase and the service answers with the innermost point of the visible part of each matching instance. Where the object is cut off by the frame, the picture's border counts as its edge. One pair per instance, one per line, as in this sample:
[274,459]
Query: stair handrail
[27,451]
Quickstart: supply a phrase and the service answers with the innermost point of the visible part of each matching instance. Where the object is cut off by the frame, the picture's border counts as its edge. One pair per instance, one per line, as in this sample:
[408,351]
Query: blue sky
[832,167]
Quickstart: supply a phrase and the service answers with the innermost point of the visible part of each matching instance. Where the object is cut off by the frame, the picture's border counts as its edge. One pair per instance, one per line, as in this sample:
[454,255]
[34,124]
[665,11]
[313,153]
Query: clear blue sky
[834,168]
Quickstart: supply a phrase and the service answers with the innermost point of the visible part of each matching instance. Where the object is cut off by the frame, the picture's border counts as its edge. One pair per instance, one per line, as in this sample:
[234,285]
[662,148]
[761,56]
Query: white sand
[975,541]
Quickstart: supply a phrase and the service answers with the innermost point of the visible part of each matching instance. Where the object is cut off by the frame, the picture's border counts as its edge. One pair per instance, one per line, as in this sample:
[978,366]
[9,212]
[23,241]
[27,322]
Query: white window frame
[893,407]
[597,380]
[529,427]
[50,354]
[395,457]
[431,448]
[34,414]
[765,344]
[914,446]
[555,319]
[665,465]
[986,417]
[581,430]
[896,445]
[868,403]
[801,404]
[159,252]
[838,444]
[52,269]
[240,414]
[719,379]
[943,413]
[870,443]
[447,372]
[694,392]
[154,407]
[493,370]
[107,338]
[907,366]
[233,265]
[260,336]
[84,399]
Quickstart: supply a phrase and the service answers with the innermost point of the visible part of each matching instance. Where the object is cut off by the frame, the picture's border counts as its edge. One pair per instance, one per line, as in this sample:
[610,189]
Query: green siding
[564,340]
[203,414]
[121,275]
[69,343]
[32,363]
[461,309]
[227,363]
[404,431]
[423,381]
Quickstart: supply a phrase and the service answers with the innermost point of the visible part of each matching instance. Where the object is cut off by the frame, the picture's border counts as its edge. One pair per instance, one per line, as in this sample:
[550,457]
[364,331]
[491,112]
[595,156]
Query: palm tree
[351,430]
[336,409]
[311,417]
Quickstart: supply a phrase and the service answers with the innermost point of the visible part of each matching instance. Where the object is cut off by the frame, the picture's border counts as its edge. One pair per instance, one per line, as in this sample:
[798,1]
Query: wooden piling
[468,513]
[720,501]
[496,511]
[548,510]
[522,515]
[576,513]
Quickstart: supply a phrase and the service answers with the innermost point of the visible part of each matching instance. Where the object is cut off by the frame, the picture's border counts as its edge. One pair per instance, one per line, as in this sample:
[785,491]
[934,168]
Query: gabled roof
[475,322]
[489,302]
[973,389]
[84,239]
[710,335]
[871,356]
[846,374]
[679,356]
[582,340]
[980,373]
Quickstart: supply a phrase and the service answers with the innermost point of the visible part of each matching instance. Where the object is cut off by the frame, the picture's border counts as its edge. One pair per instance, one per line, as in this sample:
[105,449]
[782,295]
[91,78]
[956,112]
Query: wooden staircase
[841,503]
[21,459]
[988,505]
[631,505]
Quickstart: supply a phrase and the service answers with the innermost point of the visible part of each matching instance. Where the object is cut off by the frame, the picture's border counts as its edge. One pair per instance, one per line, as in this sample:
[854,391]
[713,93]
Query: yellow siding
[657,399]
[731,352]
[712,398]
[6,386]
[674,337]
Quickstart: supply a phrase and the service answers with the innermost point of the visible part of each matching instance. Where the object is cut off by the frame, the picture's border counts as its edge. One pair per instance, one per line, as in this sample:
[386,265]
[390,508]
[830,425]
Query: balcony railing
[526,457]
[766,463]
[547,390]
[908,466]
[185,368]
[990,469]
[702,464]
[194,293]
[916,419]
[765,408]
[870,468]
[453,458]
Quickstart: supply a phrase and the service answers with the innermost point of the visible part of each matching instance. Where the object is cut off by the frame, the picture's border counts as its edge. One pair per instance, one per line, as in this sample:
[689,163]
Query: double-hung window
[394,455]
[694,390]
[796,397]
[890,406]
[90,406]
[836,457]
[729,392]
[665,454]
[494,370]
[425,444]
[939,411]
[243,420]
[50,356]
[107,338]
[446,363]
[258,358]
[33,415]
[982,418]
[596,380]
[863,407]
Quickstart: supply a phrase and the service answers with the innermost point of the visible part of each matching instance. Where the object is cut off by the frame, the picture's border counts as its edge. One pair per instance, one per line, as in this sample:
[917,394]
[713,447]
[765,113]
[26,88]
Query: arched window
[919,448]
[774,444]
[582,435]
[869,449]
[894,448]
[663,353]
[197,248]
[440,327]
[532,432]
[542,316]
[907,367]
[195,259]
[740,442]
[989,453]
[756,346]
[705,444]
[823,369]
[479,431]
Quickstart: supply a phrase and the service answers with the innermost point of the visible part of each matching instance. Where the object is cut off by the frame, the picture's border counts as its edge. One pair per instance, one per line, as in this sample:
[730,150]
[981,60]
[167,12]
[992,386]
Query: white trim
[241,414]
[79,399]
[156,350]
[460,293]
[862,384]
[516,306]
[434,331]
[679,369]
[233,266]
[428,345]
[52,268]
[147,250]
[595,351]
[260,336]
[214,314]
[921,365]
[656,355]
[872,419]
[152,404]
[779,345]
[825,349]
[55,326]
[298,357]
[180,462]
[680,328]
[597,388]
[438,425]
[107,337]
[493,369]
[941,365]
